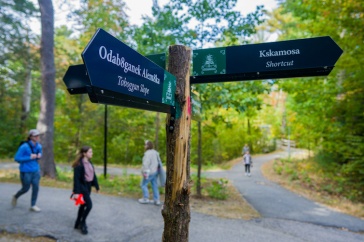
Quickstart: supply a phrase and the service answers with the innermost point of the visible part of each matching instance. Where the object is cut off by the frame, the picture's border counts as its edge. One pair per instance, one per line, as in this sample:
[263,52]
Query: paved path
[273,201]
[122,219]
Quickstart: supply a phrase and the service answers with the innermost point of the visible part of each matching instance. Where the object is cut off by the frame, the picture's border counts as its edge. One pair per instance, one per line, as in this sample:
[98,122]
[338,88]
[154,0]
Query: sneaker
[249,174]
[13,201]
[34,209]
[143,200]
[157,203]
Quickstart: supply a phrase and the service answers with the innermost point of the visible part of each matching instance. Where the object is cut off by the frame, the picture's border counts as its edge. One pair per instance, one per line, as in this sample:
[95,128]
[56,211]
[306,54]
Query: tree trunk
[25,108]
[176,209]
[47,105]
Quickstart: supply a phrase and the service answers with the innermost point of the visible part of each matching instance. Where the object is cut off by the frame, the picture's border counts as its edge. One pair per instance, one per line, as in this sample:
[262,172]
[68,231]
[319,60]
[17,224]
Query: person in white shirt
[247,160]
[150,174]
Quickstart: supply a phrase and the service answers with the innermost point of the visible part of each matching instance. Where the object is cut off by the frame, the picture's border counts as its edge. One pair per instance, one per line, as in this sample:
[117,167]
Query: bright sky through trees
[136,9]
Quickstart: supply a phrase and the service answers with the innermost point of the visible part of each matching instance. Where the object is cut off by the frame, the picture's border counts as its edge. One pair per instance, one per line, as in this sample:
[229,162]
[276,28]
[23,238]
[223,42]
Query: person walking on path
[150,174]
[245,149]
[247,159]
[28,155]
[84,178]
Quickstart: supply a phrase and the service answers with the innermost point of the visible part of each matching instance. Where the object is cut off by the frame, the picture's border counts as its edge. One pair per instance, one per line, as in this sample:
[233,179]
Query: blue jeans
[27,179]
[153,180]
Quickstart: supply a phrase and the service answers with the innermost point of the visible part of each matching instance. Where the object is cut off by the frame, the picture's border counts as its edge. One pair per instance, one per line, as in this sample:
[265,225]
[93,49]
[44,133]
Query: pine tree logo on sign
[209,65]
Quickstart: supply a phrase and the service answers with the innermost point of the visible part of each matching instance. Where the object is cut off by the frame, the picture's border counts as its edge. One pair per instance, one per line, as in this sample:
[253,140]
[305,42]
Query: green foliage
[64,175]
[277,168]
[218,189]
[214,188]
[16,34]
[132,184]
[322,175]
[327,115]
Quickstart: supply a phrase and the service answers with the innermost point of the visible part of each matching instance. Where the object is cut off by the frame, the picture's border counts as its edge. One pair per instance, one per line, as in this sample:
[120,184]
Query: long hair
[77,160]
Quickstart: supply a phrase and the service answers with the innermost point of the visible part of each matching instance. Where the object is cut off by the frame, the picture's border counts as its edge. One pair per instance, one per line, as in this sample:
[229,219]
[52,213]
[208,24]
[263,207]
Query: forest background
[322,114]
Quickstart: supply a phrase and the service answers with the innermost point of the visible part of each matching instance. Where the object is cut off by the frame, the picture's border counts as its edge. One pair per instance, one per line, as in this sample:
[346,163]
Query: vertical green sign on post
[209,61]
[169,88]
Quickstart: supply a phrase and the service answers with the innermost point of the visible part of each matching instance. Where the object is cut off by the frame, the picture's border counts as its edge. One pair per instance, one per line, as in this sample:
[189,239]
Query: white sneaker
[249,174]
[13,201]
[35,209]
[157,203]
[143,200]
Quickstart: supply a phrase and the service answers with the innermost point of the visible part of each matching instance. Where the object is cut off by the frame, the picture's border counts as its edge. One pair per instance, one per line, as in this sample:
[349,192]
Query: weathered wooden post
[176,209]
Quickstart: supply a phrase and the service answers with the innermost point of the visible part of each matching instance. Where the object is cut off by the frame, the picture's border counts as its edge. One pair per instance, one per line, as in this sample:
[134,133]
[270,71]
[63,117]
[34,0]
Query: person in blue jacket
[28,155]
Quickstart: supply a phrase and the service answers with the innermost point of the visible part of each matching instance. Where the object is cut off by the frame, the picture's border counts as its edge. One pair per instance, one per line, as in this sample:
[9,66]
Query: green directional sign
[282,59]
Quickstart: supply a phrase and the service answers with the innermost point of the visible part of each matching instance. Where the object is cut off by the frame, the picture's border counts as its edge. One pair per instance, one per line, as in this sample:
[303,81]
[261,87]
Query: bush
[218,189]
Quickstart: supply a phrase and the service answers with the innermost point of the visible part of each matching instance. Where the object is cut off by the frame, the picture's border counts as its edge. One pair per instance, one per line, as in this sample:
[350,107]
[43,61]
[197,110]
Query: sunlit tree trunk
[176,209]
[47,105]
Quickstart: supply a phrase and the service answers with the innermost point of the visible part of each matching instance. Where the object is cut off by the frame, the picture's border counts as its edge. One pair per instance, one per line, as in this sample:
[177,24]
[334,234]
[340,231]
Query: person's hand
[75,196]
[39,155]
[33,156]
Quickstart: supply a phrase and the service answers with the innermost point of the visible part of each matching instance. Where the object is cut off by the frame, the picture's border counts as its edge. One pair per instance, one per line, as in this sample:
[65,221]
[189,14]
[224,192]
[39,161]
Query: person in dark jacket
[27,156]
[84,177]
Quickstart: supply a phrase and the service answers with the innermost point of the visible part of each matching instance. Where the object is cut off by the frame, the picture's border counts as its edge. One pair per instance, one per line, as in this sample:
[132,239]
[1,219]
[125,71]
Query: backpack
[26,141]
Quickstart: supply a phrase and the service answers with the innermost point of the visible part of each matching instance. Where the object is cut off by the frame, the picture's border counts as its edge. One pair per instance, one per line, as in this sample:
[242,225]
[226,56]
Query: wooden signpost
[113,73]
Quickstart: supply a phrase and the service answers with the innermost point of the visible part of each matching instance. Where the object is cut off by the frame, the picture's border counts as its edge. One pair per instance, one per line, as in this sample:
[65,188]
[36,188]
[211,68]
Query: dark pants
[247,168]
[85,209]
[27,179]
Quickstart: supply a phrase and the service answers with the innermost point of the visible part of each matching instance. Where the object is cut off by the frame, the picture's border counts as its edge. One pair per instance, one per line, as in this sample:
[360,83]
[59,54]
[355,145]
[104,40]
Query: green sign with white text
[282,59]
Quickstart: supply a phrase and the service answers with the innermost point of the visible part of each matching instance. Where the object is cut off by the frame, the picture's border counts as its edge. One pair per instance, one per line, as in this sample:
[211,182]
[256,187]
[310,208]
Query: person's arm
[146,161]
[95,182]
[39,151]
[76,180]
[24,154]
